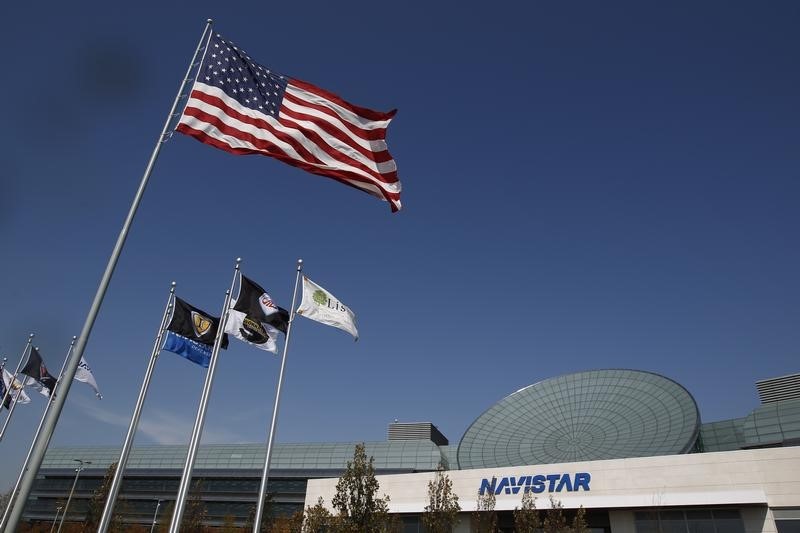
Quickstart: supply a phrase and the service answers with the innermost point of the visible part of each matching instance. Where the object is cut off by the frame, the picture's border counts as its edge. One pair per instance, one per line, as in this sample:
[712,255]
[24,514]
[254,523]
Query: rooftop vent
[416,430]
[778,389]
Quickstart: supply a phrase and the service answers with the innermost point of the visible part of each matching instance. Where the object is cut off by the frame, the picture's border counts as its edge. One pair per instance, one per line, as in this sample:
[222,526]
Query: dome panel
[586,416]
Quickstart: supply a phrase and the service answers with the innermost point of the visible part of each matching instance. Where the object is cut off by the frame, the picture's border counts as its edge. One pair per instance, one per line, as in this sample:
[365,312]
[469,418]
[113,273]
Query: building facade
[627,445]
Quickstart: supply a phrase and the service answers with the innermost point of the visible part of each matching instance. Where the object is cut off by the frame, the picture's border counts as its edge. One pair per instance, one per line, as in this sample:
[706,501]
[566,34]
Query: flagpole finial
[32,335]
[172,287]
[210,21]
[74,338]
[299,265]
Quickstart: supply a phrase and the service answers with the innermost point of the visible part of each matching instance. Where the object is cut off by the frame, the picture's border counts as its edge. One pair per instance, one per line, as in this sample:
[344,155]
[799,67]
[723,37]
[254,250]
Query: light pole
[72,490]
[155,516]
[58,512]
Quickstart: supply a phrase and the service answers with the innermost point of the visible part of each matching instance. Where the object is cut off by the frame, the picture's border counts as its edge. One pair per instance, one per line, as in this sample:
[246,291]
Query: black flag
[37,373]
[255,318]
[191,333]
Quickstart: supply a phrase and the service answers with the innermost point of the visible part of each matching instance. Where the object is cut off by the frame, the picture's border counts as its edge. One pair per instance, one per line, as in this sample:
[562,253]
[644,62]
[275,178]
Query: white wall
[743,477]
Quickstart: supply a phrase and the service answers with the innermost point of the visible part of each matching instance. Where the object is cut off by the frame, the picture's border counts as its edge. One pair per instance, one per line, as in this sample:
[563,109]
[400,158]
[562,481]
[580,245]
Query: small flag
[191,333]
[322,306]
[16,388]
[84,375]
[254,318]
[242,107]
[7,402]
[38,376]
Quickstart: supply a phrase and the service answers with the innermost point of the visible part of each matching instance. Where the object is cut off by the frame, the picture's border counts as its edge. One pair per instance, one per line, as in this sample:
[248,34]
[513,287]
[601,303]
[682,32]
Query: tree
[288,524]
[484,519]
[554,519]
[360,510]
[195,514]
[98,501]
[317,518]
[441,513]
[526,518]
[266,515]
[579,524]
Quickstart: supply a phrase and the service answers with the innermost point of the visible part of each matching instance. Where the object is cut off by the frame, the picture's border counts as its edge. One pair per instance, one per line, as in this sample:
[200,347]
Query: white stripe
[373,146]
[346,114]
[268,136]
[336,144]
[339,146]
[235,142]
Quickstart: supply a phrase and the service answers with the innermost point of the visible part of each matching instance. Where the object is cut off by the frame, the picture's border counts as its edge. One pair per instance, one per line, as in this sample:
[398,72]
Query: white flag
[84,375]
[322,306]
[17,390]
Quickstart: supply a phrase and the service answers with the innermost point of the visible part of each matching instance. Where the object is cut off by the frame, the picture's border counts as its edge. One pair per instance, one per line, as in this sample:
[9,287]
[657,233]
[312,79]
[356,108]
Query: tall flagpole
[262,491]
[113,491]
[28,457]
[11,386]
[186,477]
[10,414]
[40,446]
[19,365]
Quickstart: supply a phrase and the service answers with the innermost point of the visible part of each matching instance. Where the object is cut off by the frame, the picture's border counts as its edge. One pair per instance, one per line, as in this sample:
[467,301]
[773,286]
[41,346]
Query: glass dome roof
[599,414]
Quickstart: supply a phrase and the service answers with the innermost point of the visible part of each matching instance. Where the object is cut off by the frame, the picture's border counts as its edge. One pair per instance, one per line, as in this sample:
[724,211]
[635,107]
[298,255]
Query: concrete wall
[752,479]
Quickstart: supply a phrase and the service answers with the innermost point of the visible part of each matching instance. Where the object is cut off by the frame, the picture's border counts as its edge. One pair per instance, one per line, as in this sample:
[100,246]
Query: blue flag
[191,333]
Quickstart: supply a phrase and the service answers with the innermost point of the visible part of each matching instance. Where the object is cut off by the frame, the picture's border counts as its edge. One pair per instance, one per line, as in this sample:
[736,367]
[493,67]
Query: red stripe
[261,144]
[262,147]
[362,111]
[379,156]
[316,138]
[388,177]
[341,177]
[369,135]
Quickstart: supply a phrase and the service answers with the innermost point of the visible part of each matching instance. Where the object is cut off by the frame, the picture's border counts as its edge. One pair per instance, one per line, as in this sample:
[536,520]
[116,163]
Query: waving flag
[16,388]
[38,376]
[255,319]
[191,333]
[243,107]
[320,305]
[84,375]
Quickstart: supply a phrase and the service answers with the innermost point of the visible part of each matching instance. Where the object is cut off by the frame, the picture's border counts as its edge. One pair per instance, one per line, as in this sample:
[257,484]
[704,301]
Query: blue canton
[252,85]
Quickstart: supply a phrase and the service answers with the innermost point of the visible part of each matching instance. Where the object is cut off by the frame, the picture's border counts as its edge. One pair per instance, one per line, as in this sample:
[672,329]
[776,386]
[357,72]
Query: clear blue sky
[586,185]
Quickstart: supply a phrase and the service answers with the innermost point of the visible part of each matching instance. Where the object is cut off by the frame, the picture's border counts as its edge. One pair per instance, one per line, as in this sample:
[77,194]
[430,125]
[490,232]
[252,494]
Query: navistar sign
[537,484]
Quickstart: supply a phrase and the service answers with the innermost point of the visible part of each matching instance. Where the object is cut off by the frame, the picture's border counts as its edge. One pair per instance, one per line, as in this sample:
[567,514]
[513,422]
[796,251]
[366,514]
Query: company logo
[253,331]
[537,483]
[320,297]
[267,302]
[200,324]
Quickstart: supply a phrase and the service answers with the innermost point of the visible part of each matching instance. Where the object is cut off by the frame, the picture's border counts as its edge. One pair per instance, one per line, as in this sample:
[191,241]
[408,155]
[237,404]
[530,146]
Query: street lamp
[58,512]
[155,515]
[72,490]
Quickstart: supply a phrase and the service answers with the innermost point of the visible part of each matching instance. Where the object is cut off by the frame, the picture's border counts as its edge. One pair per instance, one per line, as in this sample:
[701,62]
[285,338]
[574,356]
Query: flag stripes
[249,110]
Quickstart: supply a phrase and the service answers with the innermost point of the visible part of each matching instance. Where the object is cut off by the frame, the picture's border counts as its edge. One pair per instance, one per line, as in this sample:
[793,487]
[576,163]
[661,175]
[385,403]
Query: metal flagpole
[10,414]
[186,477]
[40,447]
[19,365]
[113,491]
[38,429]
[262,491]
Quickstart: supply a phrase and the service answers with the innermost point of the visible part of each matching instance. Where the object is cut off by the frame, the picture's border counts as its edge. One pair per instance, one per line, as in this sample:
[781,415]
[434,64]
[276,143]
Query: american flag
[243,107]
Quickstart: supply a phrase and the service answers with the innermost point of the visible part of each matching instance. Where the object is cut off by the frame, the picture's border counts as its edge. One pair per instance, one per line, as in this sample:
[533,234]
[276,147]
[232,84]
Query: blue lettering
[552,478]
[538,484]
[502,485]
[565,483]
[485,485]
[582,480]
